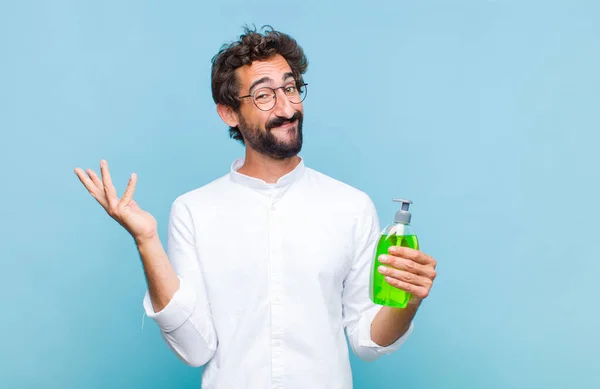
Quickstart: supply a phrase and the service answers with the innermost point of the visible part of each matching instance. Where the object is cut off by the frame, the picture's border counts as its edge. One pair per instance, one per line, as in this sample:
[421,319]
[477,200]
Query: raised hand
[139,223]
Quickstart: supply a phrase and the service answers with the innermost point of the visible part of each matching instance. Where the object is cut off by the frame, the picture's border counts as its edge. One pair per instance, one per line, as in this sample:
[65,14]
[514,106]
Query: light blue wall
[484,113]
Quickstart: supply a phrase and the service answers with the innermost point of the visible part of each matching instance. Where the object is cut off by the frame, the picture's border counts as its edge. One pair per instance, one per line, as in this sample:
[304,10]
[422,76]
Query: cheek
[253,119]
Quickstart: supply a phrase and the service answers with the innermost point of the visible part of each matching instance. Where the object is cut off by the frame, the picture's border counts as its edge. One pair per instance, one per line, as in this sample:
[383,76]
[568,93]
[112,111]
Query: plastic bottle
[398,233]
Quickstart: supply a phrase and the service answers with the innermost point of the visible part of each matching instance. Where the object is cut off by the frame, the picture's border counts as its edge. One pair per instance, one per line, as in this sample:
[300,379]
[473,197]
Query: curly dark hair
[252,46]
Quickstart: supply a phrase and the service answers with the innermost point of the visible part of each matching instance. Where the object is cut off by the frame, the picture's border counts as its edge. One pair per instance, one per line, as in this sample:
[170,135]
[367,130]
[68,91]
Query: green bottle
[398,233]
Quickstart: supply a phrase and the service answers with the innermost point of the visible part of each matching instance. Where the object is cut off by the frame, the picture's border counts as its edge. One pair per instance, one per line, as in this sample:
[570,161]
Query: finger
[405,276]
[99,188]
[90,186]
[415,255]
[85,180]
[109,189]
[129,191]
[417,291]
[95,179]
[408,265]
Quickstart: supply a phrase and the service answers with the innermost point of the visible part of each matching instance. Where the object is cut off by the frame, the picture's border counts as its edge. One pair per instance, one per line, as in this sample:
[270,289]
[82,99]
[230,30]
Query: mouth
[286,126]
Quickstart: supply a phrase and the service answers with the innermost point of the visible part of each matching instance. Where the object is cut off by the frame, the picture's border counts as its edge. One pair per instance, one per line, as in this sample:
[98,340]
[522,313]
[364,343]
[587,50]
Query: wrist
[414,302]
[147,240]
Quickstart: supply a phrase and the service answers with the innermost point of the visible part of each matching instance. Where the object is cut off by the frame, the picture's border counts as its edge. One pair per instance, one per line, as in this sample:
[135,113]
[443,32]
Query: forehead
[274,68]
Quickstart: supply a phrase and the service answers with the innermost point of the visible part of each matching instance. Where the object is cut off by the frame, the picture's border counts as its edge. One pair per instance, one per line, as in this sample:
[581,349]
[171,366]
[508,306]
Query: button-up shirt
[271,275]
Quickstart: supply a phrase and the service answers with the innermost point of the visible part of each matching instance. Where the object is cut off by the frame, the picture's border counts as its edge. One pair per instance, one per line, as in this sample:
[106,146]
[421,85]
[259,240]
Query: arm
[182,313]
[391,323]
[176,298]
[359,312]
[409,270]
[161,278]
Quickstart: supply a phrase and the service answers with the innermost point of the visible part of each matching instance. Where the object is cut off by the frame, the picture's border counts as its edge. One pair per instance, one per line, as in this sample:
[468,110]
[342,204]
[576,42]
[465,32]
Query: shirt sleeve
[185,322]
[358,309]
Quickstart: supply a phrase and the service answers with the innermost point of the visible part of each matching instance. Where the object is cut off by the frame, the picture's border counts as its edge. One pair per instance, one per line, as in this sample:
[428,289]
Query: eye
[263,96]
[290,90]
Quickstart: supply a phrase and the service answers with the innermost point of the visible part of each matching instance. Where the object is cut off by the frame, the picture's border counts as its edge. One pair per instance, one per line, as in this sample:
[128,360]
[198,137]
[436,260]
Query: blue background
[484,113]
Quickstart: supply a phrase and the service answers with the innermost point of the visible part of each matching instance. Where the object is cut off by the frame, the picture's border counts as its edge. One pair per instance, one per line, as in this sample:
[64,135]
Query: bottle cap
[403,215]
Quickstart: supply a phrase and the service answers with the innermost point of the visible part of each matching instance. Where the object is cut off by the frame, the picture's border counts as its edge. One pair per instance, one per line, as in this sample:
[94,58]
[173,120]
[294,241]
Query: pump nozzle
[403,215]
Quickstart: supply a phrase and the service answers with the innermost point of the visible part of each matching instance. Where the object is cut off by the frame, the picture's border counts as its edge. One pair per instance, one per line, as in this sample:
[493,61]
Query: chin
[287,136]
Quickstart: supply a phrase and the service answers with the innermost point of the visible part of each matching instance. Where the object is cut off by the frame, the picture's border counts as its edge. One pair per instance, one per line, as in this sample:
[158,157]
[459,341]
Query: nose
[283,107]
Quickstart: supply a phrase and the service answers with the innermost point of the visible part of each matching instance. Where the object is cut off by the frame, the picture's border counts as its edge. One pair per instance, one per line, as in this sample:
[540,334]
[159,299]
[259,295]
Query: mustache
[281,121]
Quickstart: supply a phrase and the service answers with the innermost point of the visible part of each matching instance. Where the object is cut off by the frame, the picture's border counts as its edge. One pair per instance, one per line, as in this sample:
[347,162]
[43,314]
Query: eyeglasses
[265,98]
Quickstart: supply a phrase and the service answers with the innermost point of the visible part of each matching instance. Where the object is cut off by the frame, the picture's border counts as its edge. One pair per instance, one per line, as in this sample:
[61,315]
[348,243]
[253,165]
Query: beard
[266,143]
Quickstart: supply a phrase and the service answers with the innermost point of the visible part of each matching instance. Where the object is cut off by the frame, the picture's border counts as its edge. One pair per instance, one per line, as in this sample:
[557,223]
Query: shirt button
[277,343]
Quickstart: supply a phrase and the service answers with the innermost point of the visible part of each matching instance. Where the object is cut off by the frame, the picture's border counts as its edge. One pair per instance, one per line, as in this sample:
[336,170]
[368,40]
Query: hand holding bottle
[409,270]
[139,223]
[401,274]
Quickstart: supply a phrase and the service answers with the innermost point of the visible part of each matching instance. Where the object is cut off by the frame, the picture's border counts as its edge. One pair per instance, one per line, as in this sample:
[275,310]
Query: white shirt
[270,276]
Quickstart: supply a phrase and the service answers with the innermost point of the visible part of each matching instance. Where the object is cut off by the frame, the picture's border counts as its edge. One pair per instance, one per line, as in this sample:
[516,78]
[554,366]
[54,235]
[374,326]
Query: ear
[229,116]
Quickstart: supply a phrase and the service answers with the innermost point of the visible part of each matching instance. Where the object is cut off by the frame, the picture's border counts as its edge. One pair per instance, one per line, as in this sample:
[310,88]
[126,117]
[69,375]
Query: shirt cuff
[365,339]
[176,312]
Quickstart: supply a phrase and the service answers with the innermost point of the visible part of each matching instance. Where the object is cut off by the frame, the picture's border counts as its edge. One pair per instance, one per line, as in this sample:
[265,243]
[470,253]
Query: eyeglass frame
[298,85]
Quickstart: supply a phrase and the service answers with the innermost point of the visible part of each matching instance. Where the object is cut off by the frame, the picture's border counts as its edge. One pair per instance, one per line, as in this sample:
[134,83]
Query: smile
[285,126]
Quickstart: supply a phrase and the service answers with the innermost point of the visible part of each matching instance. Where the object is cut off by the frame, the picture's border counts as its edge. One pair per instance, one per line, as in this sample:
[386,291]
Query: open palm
[139,223]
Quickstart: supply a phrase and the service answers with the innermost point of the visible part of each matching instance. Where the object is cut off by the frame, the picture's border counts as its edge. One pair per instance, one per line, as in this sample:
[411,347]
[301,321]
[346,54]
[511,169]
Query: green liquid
[384,293]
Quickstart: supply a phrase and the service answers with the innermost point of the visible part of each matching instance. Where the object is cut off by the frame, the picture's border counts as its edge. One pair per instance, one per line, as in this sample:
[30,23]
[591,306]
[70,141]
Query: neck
[266,168]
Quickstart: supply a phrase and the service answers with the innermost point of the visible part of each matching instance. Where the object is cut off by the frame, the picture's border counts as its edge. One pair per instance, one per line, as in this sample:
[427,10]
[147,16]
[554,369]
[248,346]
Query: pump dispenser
[398,233]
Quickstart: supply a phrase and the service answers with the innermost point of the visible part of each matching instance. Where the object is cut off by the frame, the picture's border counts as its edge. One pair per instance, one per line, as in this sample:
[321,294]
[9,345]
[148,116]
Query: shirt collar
[257,183]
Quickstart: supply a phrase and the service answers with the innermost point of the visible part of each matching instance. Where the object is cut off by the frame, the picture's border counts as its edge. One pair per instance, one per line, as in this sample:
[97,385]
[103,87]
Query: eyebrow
[259,81]
[267,79]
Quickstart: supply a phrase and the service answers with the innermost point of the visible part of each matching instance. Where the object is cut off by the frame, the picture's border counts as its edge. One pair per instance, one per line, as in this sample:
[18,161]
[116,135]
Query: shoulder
[344,202]
[205,194]
[339,192]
